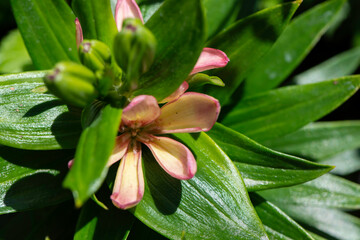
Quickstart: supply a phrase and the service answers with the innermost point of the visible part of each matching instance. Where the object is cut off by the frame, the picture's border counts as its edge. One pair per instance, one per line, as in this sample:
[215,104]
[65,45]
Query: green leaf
[319,140]
[326,191]
[141,231]
[97,20]
[340,65]
[48,30]
[218,12]
[97,223]
[331,223]
[278,112]
[148,8]
[199,208]
[33,119]
[345,163]
[245,42]
[277,224]
[291,48]
[31,179]
[92,153]
[263,168]
[180,40]
[13,54]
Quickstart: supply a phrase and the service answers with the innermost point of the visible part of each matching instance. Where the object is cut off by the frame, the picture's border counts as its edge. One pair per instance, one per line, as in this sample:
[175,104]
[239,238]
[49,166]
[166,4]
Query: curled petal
[129,183]
[79,33]
[175,158]
[121,146]
[178,92]
[70,163]
[192,112]
[210,58]
[126,9]
[141,111]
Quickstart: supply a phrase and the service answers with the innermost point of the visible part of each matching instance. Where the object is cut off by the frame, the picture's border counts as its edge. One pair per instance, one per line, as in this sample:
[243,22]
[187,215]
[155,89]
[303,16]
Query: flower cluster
[143,120]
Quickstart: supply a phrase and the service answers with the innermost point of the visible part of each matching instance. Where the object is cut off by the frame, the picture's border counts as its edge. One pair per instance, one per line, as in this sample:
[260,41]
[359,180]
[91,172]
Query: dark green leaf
[92,153]
[340,65]
[245,42]
[260,167]
[31,179]
[55,222]
[278,112]
[13,54]
[148,8]
[326,191]
[291,48]
[97,20]
[277,224]
[218,12]
[48,30]
[141,231]
[320,140]
[345,163]
[33,119]
[330,223]
[97,223]
[212,205]
[180,40]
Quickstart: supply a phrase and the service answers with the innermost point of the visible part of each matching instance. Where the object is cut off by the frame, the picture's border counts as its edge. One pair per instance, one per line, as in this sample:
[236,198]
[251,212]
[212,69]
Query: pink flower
[142,121]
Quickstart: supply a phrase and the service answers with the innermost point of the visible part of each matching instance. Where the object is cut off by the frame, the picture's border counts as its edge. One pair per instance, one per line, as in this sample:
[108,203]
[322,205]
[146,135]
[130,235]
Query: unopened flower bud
[201,79]
[134,48]
[73,83]
[94,54]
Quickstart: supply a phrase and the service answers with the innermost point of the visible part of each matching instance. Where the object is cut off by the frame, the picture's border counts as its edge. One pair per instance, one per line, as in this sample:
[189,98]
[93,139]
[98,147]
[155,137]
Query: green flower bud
[73,83]
[94,54]
[200,79]
[134,49]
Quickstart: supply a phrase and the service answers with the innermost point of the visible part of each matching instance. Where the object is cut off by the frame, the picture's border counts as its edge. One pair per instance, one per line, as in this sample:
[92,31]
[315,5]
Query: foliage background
[342,36]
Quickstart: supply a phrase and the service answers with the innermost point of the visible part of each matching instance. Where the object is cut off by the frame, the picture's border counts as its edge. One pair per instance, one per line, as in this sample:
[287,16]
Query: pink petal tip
[126,9]
[210,58]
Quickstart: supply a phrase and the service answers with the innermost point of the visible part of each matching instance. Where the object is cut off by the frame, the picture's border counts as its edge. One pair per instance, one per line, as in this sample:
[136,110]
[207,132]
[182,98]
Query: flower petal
[79,32]
[175,158]
[192,112]
[178,92]
[126,9]
[121,146]
[210,58]
[141,111]
[129,183]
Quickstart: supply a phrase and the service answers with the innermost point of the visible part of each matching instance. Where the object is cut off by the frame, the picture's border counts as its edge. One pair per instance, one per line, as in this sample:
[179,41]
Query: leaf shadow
[66,127]
[41,185]
[165,190]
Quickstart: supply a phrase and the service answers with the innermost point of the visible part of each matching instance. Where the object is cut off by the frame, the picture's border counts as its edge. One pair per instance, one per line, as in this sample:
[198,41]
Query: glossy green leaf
[97,223]
[31,179]
[263,168]
[345,163]
[245,42]
[277,224]
[278,112]
[92,153]
[48,30]
[291,48]
[319,140]
[340,65]
[13,54]
[199,208]
[97,20]
[30,118]
[330,223]
[177,51]
[326,191]
[148,8]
